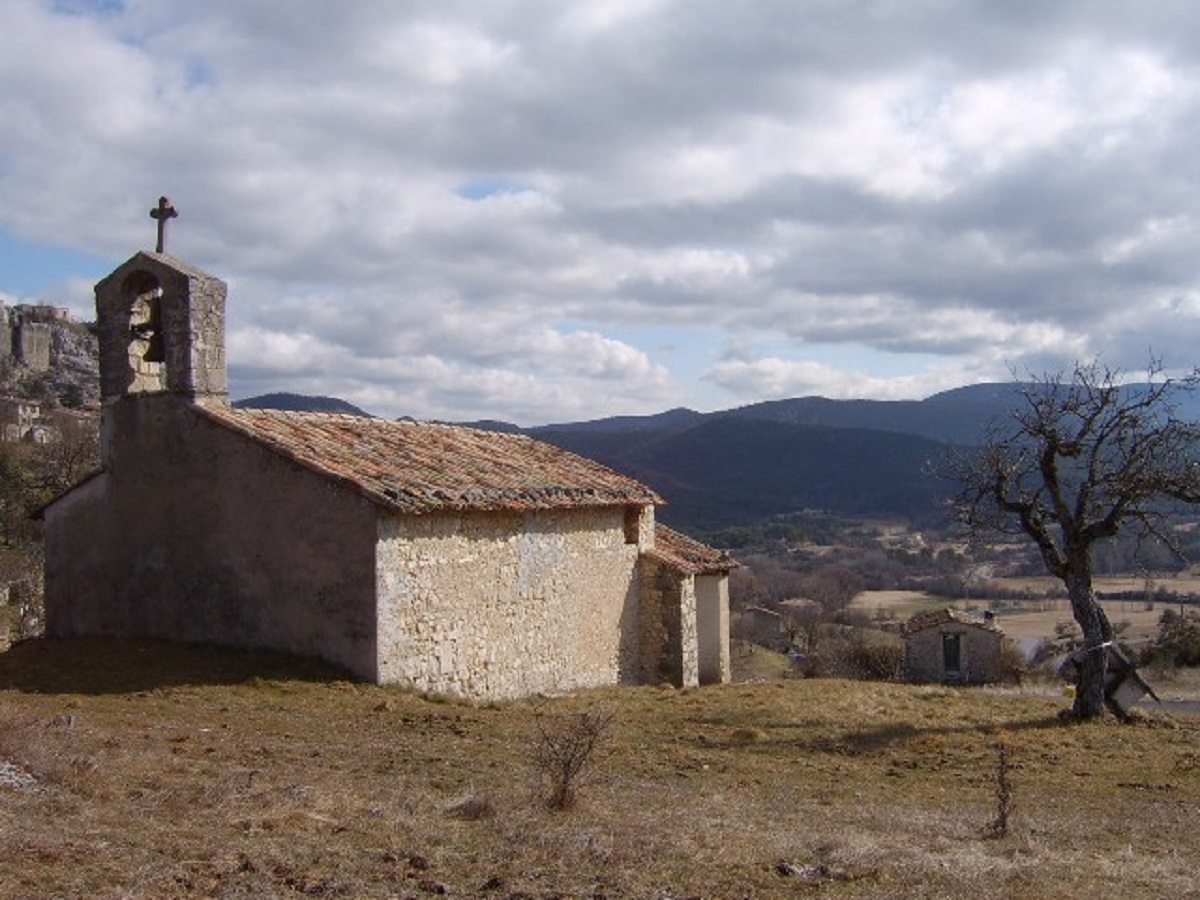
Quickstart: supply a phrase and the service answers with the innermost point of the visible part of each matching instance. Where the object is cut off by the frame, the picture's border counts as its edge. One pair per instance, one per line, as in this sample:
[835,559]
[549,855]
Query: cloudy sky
[550,211]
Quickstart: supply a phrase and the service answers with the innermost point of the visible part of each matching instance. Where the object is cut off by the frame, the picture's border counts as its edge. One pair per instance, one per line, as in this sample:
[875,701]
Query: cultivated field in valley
[1031,620]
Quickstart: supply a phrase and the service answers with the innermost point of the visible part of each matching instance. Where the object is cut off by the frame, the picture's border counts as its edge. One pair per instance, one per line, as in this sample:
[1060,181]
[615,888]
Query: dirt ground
[140,770]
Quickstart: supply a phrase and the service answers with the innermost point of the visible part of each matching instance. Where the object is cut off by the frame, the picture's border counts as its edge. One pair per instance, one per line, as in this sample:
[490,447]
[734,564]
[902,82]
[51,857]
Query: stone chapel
[446,558]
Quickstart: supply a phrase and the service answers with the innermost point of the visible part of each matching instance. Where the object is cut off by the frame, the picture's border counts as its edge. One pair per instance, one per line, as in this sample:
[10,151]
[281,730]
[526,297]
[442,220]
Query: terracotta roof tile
[687,555]
[934,617]
[419,467]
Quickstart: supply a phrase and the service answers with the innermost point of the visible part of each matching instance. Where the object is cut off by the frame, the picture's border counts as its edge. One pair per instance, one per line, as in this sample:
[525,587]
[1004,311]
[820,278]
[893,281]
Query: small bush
[1012,665]
[856,653]
[1178,639]
[1003,790]
[565,754]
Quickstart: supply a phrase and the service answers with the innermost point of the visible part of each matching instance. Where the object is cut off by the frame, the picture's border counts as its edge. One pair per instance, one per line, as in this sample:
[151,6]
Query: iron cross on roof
[161,213]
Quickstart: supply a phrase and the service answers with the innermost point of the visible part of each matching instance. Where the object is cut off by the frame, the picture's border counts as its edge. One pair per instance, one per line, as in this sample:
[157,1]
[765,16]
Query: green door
[951,654]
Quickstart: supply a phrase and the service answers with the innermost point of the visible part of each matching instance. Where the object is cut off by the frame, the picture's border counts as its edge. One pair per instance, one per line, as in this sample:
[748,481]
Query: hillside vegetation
[778,458]
[141,770]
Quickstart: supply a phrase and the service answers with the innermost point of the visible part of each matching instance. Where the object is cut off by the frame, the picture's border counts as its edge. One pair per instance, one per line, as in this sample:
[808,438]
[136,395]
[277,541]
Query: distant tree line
[30,476]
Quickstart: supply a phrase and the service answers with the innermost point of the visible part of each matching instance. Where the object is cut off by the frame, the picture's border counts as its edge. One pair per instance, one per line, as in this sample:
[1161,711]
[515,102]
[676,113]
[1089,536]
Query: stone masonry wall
[195,533]
[186,309]
[497,605]
[979,654]
[669,648]
[31,345]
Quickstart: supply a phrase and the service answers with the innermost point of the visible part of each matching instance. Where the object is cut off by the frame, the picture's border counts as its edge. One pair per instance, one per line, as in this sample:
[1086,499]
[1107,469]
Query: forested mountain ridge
[727,470]
[300,403]
[780,457]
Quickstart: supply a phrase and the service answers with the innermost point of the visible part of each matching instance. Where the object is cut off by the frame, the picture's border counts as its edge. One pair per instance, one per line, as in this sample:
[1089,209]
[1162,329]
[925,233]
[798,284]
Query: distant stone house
[952,647]
[763,626]
[446,558]
[20,420]
[25,334]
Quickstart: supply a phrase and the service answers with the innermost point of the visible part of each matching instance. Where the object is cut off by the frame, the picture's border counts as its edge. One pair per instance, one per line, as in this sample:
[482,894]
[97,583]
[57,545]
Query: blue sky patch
[88,7]
[482,188]
[28,268]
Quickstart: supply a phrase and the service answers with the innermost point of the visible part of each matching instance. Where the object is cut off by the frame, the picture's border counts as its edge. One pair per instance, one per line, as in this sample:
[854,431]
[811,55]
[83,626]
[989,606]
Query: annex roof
[420,467]
[686,555]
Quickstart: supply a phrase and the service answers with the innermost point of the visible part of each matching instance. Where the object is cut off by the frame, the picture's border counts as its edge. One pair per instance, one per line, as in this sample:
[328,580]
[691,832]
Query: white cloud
[774,378]
[454,210]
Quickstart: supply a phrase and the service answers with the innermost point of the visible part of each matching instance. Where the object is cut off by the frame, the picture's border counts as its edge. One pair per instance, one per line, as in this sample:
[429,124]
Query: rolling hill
[745,465]
[726,470]
[300,403]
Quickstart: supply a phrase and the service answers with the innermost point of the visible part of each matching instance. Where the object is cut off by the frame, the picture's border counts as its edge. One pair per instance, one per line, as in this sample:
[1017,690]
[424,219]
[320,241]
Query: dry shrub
[857,654]
[41,752]
[565,753]
[1003,791]
[1012,665]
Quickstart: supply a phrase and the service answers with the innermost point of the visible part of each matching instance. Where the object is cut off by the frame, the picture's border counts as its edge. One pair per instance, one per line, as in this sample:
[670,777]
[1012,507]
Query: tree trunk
[1092,671]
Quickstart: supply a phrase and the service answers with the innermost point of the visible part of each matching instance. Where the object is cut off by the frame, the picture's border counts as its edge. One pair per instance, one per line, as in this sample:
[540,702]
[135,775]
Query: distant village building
[29,338]
[952,647]
[763,626]
[20,420]
[26,421]
[446,558]
[25,333]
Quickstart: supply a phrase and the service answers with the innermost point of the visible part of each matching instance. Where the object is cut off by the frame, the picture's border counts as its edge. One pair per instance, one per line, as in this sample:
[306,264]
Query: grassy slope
[175,772]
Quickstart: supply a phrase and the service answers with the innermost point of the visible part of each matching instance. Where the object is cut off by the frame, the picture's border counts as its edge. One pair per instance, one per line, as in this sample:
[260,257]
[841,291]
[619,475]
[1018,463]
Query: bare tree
[1086,457]
[833,587]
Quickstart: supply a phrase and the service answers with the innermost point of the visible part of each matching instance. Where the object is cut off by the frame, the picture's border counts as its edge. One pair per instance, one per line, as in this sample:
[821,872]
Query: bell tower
[161,326]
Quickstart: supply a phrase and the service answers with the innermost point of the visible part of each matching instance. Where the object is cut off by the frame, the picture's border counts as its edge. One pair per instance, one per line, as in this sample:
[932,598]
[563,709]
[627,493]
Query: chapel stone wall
[495,605]
[195,533]
[669,652]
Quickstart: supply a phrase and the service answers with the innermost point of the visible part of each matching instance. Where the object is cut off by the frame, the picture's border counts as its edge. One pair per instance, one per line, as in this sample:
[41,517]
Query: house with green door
[950,646]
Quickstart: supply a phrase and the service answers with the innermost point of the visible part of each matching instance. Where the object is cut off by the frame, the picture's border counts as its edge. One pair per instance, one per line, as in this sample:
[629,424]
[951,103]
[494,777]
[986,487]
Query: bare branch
[1087,456]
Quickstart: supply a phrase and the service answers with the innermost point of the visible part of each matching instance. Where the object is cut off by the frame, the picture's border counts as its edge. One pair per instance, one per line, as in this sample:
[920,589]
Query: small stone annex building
[952,647]
[446,558]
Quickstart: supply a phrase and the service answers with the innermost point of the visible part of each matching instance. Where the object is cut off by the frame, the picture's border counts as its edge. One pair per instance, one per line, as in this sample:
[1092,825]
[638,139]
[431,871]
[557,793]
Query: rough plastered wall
[669,641]
[496,605]
[979,654]
[712,628]
[195,533]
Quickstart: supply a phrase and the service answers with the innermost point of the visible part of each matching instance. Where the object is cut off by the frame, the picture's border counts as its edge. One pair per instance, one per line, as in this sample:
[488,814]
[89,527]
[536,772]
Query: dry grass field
[1036,619]
[138,770]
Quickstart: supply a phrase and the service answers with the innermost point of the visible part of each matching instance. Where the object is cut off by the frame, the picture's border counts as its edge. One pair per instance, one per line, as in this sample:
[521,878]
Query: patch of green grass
[177,772]
[754,662]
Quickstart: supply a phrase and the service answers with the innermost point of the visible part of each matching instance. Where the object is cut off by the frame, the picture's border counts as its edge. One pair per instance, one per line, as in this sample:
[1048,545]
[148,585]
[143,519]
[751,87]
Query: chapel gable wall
[506,604]
[195,533]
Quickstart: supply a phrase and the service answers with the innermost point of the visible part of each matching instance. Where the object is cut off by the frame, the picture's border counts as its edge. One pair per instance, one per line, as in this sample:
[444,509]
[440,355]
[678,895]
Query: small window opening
[146,349]
[633,524]
[145,325]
